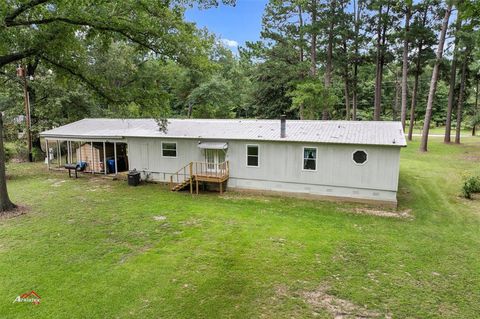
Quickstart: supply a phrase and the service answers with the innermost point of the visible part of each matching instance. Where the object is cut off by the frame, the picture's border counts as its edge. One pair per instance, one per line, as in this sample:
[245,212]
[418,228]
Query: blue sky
[234,25]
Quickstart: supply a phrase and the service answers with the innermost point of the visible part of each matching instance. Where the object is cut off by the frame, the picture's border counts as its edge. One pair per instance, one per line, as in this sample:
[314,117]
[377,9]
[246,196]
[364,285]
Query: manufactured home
[356,160]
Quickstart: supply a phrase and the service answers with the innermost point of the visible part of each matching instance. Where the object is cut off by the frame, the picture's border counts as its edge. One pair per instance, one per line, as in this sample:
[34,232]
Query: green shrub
[37,154]
[16,150]
[8,152]
[21,152]
[471,185]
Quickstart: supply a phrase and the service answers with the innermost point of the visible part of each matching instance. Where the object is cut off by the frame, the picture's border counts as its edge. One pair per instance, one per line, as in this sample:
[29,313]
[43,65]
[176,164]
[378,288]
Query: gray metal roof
[335,132]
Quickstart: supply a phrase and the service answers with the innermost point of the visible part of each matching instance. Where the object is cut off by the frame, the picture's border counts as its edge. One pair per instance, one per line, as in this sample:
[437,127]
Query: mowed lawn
[95,248]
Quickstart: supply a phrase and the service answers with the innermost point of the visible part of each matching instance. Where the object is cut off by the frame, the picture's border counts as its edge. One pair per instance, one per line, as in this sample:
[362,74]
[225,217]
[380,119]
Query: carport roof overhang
[78,137]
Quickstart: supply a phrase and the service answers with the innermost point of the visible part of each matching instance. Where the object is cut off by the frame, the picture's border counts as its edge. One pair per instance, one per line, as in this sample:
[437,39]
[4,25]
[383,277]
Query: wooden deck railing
[183,174]
[211,169]
[200,171]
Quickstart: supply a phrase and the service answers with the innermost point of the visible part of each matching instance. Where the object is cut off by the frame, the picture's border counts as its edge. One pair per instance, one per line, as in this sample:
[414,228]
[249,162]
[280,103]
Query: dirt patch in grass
[337,307]
[245,196]
[136,251]
[473,158]
[403,214]
[192,222]
[321,301]
[18,211]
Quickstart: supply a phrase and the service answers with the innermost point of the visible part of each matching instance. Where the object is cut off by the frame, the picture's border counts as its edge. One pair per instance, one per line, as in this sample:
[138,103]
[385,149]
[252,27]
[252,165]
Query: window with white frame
[310,158]
[252,156]
[169,149]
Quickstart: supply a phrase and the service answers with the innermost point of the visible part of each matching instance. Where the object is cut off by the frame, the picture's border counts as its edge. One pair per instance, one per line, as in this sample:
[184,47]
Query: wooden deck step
[196,172]
[181,186]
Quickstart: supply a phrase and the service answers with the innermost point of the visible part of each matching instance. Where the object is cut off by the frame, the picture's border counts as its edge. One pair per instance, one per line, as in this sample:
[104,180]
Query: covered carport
[95,153]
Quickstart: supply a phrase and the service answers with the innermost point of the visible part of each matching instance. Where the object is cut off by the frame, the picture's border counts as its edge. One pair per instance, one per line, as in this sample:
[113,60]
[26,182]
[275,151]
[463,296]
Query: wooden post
[196,181]
[68,153]
[58,157]
[115,157]
[79,152]
[91,160]
[191,178]
[221,188]
[48,153]
[104,160]
[127,162]
[60,152]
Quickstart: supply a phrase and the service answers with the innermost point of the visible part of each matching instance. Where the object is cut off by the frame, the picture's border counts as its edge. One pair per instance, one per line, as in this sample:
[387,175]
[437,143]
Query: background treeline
[336,59]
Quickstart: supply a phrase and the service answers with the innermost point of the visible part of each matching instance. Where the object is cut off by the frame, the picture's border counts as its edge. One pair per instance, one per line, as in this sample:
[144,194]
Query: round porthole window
[360,157]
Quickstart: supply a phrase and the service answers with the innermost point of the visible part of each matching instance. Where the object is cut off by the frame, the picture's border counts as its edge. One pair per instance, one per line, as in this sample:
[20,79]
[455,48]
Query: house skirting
[384,197]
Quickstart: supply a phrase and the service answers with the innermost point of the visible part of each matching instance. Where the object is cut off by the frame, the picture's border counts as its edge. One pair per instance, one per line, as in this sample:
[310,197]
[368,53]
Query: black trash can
[133,178]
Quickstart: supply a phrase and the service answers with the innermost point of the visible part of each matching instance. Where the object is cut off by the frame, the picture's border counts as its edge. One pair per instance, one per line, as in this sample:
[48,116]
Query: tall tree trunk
[5,203]
[382,37]
[328,64]
[453,83]
[190,110]
[300,31]
[313,49]
[418,70]
[346,81]
[403,116]
[415,93]
[313,45]
[378,71]
[398,89]
[354,94]
[347,98]
[434,80]
[300,28]
[475,111]
[357,14]
[461,95]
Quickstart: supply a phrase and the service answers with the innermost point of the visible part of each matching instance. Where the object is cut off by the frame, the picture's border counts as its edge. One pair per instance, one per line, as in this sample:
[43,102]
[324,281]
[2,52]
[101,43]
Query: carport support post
[79,152]
[92,160]
[115,157]
[59,153]
[104,160]
[69,152]
[69,161]
[48,153]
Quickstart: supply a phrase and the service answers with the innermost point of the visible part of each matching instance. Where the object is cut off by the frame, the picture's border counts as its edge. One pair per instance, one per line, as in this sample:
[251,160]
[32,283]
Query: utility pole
[22,73]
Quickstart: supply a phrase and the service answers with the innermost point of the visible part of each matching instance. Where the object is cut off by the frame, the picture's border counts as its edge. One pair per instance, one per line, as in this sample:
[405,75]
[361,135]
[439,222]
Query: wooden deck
[191,174]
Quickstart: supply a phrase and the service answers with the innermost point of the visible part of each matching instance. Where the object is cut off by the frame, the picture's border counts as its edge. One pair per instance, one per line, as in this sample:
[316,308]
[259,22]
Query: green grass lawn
[439,131]
[95,248]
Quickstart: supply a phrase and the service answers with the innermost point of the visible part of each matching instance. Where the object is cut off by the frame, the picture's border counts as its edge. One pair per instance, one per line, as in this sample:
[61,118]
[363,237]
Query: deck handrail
[195,168]
[211,169]
[185,171]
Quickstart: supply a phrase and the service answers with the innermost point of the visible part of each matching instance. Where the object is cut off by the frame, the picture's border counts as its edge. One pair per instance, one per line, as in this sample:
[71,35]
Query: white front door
[213,158]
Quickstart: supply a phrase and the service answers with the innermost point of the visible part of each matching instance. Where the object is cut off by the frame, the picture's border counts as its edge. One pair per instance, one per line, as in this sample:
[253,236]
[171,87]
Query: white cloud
[229,43]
